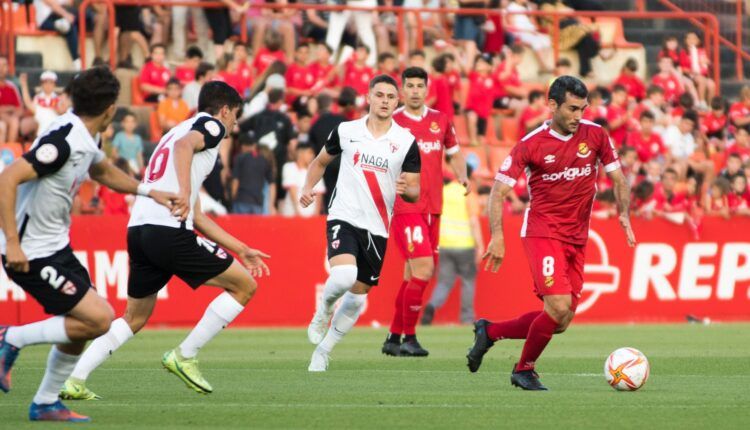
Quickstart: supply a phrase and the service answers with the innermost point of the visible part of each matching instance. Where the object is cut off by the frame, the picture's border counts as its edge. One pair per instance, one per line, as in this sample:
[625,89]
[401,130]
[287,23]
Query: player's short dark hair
[534,95]
[383,56]
[439,64]
[691,115]
[215,95]
[414,72]
[347,97]
[194,52]
[647,114]
[275,95]
[563,85]
[93,91]
[202,70]
[384,79]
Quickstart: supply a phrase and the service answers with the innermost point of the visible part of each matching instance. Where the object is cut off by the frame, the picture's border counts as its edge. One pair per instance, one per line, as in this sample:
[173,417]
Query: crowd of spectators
[685,150]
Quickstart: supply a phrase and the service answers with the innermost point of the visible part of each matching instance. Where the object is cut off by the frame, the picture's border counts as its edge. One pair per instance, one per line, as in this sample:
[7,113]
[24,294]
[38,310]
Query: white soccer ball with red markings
[626,369]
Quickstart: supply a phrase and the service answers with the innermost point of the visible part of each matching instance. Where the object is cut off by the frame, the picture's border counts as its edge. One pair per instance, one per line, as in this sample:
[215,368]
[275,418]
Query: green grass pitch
[700,378]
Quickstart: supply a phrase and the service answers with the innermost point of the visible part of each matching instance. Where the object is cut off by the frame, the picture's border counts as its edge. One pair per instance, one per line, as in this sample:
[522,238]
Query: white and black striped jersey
[366,187]
[61,157]
[162,175]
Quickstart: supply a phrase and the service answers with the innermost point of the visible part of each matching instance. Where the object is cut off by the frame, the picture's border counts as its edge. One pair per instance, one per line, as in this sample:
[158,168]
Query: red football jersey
[300,78]
[633,85]
[528,114]
[562,174]
[510,80]
[671,85]
[739,110]
[454,81]
[481,94]
[434,134]
[233,79]
[265,58]
[648,148]
[322,80]
[246,74]
[713,124]
[615,113]
[358,77]
[155,75]
[184,74]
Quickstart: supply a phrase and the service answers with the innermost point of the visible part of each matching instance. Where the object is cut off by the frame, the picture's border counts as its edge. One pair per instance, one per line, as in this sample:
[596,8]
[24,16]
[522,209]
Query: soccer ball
[626,369]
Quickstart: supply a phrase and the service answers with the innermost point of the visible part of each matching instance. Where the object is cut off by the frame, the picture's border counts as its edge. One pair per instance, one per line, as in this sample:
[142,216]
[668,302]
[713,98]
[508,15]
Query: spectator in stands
[680,138]
[643,203]
[695,64]
[281,20]
[573,35]
[716,200]
[252,174]
[229,74]
[172,109]
[128,20]
[467,29]
[303,125]
[362,22]
[479,99]
[258,103]
[128,144]
[155,74]
[357,74]
[44,105]
[668,80]
[61,16]
[714,123]
[685,102]
[733,168]
[510,92]
[417,58]
[656,104]
[244,69]
[534,114]
[741,144]
[315,22]
[739,113]
[269,53]
[439,95]
[618,115]
[185,72]
[630,163]
[293,180]
[11,107]
[647,144]
[596,109]
[112,202]
[221,23]
[274,129]
[180,27]
[525,31]
[204,73]
[739,198]
[387,66]
[321,129]
[156,21]
[300,80]
[324,73]
[629,79]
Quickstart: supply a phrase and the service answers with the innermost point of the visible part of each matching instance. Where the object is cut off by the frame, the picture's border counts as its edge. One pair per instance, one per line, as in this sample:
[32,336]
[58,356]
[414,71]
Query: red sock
[540,333]
[397,325]
[413,304]
[512,329]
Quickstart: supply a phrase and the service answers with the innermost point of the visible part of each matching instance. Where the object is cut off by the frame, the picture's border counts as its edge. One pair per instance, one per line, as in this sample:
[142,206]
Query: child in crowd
[633,84]
[128,144]
[172,110]
[478,104]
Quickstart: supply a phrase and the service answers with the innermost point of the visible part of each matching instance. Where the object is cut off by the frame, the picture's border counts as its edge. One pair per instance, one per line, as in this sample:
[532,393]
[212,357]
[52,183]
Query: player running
[379,160]
[416,226]
[561,159]
[36,195]
[161,246]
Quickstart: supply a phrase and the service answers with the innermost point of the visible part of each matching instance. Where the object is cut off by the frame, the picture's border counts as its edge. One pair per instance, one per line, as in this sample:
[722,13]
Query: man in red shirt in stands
[509,90]
[299,79]
[185,72]
[357,74]
[244,69]
[387,66]
[534,114]
[324,72]
[647,144]
[416,226]
[268,53]
[739,113]
[562,157]
[439,93]
[155,74]
[618,116]
[714,124]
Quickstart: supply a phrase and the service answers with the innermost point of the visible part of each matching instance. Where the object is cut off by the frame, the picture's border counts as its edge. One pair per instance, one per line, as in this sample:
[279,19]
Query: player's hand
[625,224]
[466,184]
[181,206]
[163,198]
[494,254]
[306,198]
[252,259]
[401,185]
[15,259]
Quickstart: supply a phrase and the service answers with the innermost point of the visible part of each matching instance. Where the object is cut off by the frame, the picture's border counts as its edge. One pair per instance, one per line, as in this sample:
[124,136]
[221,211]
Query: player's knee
[560,311]
[244,290]
[343,276]
[100,322]
[423,270]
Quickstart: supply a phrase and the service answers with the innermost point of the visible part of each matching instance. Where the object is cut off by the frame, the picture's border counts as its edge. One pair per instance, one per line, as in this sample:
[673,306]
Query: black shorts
[57,282]
[128,18]
[157,253]
[368,249]
[220,23]
[502,102]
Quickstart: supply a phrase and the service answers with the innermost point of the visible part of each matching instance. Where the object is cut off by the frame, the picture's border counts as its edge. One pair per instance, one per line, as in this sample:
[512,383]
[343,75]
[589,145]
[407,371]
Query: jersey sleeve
[608,153]
[513,165]
[412,162]
[333,143]
[51,153]
[451,140]
[211,129]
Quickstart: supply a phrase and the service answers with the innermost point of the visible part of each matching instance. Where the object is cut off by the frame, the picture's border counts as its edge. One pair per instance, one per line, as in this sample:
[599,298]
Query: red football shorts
[556,266]
[416,235]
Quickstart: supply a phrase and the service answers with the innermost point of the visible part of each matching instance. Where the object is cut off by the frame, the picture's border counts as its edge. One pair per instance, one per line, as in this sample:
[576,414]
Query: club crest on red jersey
[549,281]
[583,150]
[434,127]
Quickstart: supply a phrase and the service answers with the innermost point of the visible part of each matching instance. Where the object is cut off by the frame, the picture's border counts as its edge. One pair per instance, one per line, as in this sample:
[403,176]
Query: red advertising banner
[667,276]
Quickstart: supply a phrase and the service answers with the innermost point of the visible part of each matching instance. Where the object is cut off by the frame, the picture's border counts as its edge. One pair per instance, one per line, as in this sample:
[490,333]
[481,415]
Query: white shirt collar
[557,135]
[415,118]
[369,135]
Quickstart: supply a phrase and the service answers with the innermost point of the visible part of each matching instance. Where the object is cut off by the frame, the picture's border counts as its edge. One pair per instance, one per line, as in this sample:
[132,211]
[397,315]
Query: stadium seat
[136,95]
[510,132]
[497,156]
[484,171]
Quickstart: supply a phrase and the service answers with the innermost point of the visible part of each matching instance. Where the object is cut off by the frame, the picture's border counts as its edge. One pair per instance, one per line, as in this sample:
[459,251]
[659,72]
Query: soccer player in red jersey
[562,157]
[416,226]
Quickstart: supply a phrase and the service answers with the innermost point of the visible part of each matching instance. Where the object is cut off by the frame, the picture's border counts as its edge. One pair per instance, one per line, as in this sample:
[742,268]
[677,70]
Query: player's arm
[621,188]
[330,151]
[251,258]
[457,161]
[496,248]
[112,177]
[14,175]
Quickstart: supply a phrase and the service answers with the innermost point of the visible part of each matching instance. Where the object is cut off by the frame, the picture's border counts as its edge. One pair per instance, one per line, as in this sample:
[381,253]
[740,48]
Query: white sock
[59,367]
[101,348]
[343,320]
[51,330]
[341,280]
[222,311]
